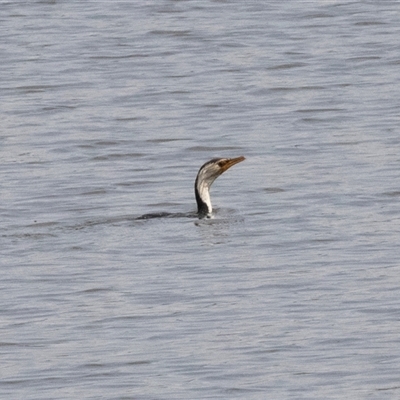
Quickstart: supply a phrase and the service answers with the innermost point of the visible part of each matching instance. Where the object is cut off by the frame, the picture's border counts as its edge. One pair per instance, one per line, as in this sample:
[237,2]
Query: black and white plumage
[207,174]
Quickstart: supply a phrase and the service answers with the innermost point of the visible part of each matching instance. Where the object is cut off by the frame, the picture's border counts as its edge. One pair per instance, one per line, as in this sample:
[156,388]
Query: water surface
[109,109]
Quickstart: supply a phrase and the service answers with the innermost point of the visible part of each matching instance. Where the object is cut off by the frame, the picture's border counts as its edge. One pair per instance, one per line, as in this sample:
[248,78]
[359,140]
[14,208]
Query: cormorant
[207,174]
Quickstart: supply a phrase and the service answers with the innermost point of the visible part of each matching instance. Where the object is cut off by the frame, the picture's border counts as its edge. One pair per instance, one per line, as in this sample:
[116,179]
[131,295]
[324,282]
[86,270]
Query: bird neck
[202,192]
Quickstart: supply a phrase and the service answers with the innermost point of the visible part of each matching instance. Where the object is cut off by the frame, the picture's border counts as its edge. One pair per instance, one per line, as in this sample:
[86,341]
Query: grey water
[108,109]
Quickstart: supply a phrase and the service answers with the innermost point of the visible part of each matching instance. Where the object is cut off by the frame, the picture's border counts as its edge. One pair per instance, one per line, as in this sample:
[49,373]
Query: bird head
[207,174]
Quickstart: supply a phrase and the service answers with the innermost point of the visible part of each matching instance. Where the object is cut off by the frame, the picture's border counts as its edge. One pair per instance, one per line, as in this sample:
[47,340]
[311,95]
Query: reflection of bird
[207,174]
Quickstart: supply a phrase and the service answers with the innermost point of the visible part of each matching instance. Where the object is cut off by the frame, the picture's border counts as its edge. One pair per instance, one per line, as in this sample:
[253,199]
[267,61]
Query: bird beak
[230,162]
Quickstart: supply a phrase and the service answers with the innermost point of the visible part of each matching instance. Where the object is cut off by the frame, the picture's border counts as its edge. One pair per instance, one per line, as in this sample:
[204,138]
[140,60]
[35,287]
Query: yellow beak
[230,162]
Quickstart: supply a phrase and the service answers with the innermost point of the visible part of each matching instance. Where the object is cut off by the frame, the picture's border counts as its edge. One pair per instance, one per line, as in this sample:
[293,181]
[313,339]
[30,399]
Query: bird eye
[221,164]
